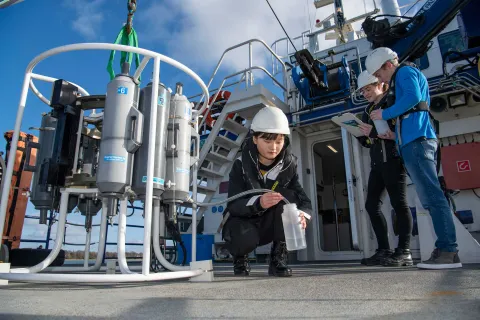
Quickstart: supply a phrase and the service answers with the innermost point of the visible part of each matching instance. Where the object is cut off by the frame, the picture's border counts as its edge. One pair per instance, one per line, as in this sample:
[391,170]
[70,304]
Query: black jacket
[245,175]
[381,150]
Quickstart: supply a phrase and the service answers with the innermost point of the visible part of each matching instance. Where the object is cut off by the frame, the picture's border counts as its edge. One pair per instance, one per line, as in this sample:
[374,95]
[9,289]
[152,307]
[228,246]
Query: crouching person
[256,220]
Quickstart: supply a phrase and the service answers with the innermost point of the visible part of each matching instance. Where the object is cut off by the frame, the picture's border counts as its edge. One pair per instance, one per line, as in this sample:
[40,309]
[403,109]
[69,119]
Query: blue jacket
[411,87]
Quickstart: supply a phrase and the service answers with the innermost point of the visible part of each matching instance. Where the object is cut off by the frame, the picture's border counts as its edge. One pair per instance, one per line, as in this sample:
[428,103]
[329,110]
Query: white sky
[198,32]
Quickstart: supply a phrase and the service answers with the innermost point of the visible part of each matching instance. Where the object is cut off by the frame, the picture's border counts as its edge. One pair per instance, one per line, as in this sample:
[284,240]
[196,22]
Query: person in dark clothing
[256,220]
[387,172]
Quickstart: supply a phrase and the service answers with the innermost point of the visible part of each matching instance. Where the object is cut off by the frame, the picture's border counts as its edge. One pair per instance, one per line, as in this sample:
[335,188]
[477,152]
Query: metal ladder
[218,155]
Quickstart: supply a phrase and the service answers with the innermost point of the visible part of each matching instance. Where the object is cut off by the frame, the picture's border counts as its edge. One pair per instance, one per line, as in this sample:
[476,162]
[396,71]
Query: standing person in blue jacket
[417,143]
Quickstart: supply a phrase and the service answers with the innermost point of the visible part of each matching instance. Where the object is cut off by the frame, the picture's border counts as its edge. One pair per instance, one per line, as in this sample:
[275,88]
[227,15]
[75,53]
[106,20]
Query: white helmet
[365,78]
[270,120]
[378,57]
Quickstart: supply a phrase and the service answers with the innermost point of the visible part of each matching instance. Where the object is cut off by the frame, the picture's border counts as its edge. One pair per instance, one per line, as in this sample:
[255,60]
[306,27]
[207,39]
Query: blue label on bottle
[188,113]
[161,100]
[182,170]
[114,158]
[122,90]
[156,180]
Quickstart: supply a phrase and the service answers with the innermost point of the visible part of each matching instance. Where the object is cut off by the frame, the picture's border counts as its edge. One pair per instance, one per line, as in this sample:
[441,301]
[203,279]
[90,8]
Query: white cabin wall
[435,68]
[307,179]
[466,200]
[297,143]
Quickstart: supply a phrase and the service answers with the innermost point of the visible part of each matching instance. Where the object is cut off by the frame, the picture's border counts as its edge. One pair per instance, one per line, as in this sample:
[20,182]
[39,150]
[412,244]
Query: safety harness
[422,106]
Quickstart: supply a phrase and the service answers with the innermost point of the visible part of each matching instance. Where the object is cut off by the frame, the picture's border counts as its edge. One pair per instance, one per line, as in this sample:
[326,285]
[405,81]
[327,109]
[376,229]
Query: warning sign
[463,166]
[460,173]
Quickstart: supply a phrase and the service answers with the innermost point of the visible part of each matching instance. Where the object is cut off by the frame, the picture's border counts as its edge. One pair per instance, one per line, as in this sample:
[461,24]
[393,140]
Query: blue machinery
[328,89]
[317,81]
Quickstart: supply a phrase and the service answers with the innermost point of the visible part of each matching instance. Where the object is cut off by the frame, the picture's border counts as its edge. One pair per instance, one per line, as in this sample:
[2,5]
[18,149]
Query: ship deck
[317,290]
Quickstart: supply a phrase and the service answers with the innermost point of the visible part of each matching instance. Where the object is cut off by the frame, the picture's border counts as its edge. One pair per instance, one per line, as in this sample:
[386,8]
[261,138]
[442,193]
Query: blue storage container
[204,247]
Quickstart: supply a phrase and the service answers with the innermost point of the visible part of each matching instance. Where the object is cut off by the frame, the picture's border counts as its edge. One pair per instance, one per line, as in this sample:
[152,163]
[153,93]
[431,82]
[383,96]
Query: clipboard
[350,122]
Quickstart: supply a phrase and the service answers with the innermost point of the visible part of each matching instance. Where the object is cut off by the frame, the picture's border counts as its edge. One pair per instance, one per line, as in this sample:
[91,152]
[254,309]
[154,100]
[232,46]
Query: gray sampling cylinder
[139,179]
[122,132]
[179,142]
[41,197]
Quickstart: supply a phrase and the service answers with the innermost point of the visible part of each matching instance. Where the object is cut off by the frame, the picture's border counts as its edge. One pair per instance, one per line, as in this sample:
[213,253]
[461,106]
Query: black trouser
[392,176]
[243,235]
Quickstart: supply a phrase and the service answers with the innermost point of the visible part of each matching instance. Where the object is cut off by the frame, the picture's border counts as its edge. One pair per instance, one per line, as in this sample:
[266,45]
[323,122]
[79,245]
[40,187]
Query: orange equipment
[18,196]
[222,96]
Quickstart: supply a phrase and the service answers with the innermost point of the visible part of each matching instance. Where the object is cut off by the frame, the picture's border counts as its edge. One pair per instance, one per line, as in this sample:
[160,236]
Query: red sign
[463,166]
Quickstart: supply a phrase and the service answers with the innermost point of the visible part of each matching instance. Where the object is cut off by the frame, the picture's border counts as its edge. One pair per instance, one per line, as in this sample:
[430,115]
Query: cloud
[197,32]
[89,17]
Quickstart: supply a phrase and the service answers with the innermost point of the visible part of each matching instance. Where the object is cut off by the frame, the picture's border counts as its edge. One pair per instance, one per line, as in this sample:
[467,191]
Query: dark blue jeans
[420,160]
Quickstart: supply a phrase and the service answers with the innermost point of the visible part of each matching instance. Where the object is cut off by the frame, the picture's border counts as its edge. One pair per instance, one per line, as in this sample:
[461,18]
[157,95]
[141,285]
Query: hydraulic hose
[211,204]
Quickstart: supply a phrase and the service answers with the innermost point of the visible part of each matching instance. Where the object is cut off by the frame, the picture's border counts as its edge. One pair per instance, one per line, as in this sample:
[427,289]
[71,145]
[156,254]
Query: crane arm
[411,38]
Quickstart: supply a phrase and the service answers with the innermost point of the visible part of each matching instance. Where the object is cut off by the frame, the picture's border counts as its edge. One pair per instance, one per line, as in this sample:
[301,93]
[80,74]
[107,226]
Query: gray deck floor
[316,291]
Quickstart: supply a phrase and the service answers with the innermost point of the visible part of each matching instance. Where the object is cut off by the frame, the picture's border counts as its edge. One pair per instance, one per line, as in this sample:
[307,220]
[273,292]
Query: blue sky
[36,26]
[192,32]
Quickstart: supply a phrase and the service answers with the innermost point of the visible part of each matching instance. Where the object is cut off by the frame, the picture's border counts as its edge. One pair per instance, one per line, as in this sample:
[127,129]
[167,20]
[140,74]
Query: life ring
[222,95]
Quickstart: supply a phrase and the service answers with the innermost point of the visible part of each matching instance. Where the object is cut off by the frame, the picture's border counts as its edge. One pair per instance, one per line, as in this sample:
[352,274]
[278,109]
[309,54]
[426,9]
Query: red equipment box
[461,165]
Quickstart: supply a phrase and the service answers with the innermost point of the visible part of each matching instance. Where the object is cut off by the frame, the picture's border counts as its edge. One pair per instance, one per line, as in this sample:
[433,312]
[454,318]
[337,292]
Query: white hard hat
[270,120]
[378,57]
[365,78]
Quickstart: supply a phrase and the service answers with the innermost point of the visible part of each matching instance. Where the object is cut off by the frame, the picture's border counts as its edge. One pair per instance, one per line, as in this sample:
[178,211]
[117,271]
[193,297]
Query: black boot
[241,266]
[401,257]
[378,258]
[279,260]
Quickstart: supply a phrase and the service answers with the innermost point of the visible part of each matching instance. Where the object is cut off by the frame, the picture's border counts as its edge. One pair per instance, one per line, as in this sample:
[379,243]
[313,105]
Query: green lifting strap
[125,39]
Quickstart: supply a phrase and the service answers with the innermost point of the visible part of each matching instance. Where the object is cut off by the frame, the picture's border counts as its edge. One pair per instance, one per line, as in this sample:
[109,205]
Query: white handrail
[240,45]
[50,79]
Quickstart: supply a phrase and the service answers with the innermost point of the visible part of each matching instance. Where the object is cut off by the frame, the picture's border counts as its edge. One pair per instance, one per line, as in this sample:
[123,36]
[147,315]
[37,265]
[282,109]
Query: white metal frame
[26,274]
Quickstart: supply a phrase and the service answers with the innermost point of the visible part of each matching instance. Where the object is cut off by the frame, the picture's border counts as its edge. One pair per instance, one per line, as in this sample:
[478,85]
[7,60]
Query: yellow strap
[274,185]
